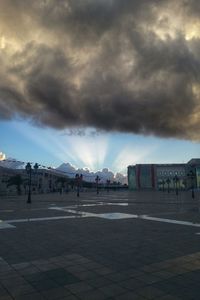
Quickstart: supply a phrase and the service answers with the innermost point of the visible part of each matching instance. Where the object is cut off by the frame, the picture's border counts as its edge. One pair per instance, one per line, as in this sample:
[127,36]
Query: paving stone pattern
[93,257]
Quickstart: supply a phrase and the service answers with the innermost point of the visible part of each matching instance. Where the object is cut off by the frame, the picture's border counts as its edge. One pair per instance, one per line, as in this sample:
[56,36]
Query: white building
[42,181]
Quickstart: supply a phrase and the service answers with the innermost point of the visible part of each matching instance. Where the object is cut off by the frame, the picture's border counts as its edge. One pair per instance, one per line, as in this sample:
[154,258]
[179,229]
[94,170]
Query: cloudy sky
[100,83]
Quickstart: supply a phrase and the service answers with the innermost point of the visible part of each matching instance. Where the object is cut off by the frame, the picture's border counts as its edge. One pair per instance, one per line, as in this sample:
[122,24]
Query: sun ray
[91,151]
[130,156]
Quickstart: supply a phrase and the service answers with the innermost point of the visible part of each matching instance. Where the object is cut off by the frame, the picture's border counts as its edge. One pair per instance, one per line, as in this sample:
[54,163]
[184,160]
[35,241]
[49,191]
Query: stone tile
[59,272]
[178,270]
[191,266]
[55,259]
[150,292]
[92,265]
[3,292]
[65,264]
[92,295]
[132,284]
[166,286]
[15,282]
[45,284]
[130,296]
[113,290]
[103,271]
[29,270]
[99,282]
[149,268]
[40,262]
[76,268]
[116,277]
[57,293]
[148,278]
[70,297]
[21,290]
[84,260]
[6,297]
[163,274]
[21,265]
[86,275]
[5,269]
[11,276]
[34,296]
[35,277]
[46,267]
[134,273]
[79,287]
[169,297]
[73,256]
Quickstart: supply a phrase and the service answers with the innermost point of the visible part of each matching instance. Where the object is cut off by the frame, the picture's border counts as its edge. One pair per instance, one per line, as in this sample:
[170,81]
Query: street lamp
[29,172]
[97,179]
[78,179]
[36,166]
[176,180]
[108,185]
[191,175]
[168,182]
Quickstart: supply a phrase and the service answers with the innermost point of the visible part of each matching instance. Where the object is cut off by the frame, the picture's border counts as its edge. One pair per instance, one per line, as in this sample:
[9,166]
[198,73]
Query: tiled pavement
[48,256]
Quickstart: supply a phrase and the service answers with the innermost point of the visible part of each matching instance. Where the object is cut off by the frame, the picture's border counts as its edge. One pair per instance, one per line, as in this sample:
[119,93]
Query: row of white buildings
[42,181]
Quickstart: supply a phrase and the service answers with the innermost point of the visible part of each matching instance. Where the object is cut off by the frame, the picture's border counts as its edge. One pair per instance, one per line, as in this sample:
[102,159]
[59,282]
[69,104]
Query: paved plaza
[116,245]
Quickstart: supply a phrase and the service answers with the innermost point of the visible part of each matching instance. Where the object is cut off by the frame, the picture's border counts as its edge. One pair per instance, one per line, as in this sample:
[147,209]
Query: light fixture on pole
[78,179]
[97,179]
[29,172]
[191,176]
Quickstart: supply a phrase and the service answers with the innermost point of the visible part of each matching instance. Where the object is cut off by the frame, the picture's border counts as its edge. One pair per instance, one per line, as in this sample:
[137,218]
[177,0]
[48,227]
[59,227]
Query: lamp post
[108,185]
[36,166]
[176,180]
[191,176]
[168,182]
[97,179]
[29,172]
[78,179]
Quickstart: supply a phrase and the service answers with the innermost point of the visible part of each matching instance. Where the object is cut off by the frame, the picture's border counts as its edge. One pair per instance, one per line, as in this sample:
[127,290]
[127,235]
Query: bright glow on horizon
[91,151]
[2,156]
[50,147]
[130,156]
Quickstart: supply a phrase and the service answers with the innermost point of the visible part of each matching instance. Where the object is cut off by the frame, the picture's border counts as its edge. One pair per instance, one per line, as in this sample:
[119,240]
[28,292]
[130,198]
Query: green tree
[17,181]
[62,181]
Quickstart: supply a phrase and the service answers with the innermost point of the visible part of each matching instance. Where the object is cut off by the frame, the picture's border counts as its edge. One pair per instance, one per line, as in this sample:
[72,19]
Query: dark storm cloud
[127,66]
[193,7]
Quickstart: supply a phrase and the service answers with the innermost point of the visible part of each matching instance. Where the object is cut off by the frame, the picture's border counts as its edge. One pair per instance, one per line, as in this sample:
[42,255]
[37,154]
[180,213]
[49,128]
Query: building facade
[43,181]
[164,176]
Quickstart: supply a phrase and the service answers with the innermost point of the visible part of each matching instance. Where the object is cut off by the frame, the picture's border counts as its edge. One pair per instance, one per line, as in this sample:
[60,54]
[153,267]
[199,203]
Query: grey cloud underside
[132,80]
